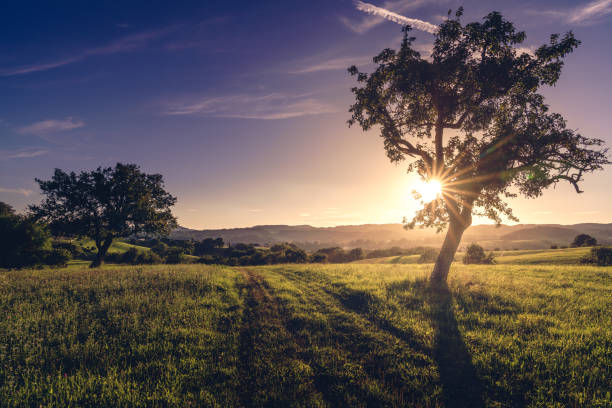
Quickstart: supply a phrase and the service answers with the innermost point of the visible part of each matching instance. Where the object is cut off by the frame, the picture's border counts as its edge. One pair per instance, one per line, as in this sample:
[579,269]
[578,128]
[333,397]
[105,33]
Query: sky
[242,106]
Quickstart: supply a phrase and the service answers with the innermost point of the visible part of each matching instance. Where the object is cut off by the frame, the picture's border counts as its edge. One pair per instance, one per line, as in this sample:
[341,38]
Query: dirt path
[269,355]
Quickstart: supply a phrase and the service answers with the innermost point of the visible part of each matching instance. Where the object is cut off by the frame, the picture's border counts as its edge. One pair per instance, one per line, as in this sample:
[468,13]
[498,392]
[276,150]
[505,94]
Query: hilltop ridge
[523,236]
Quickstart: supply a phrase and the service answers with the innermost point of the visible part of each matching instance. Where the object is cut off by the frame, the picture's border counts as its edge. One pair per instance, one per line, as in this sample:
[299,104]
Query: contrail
[396,18]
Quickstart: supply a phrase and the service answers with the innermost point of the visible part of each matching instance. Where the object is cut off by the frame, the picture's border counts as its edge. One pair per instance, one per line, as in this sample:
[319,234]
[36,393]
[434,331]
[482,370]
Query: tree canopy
[104,204]
[470,116]
[23,242]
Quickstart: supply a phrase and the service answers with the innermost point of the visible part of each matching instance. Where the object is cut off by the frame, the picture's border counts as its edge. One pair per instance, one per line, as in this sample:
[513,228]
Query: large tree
[470,116]
[104,204]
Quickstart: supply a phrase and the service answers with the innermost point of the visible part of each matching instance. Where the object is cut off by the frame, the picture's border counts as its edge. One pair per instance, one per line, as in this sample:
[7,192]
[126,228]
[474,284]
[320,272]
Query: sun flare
[429,190]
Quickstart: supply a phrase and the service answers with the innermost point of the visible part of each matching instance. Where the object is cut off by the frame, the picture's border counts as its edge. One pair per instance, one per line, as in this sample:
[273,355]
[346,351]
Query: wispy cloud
[124,44]
[377,15]
[331,64]
[46,127]
[22,191]
[268,107]
[396,18]
[22,153]
[589,13]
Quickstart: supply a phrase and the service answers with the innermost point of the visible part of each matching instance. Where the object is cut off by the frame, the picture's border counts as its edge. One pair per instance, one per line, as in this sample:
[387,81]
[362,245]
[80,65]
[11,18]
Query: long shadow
[461,386]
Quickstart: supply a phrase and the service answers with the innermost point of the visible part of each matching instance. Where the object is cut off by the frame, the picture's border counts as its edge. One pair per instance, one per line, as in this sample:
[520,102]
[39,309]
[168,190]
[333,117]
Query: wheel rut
[267,350]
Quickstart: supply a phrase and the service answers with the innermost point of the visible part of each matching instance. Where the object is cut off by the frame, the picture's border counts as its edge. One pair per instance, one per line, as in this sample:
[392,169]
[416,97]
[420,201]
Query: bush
[210,260]
[318,258]
[428,255]
[134,257]
[475,254]
[601,256]
[23,242]
[583,240]
[76,251]
[160,248]
[174,255]
[554,247]
[57,257]
[355,254]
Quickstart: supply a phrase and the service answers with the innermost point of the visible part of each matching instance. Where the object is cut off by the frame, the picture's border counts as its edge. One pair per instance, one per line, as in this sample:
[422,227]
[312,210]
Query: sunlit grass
[306,335]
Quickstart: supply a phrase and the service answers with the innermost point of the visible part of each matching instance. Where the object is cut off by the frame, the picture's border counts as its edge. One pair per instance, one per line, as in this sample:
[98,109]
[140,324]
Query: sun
[429,190]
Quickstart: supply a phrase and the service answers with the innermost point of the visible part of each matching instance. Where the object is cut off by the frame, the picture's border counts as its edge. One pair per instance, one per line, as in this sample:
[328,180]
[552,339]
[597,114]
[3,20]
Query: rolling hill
[521,236]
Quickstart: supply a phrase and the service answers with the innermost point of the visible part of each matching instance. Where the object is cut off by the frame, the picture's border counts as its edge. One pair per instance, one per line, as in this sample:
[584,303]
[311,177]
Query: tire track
[268,350]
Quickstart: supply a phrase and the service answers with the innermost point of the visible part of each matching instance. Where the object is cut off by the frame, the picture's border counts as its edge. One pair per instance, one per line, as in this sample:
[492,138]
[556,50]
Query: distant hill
[560,234]
[521,236]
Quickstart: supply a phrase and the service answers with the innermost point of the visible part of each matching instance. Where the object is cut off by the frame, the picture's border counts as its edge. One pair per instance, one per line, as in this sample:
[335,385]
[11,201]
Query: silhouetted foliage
[6,210]
[207,246]
[74,249]
[104,204]
[582,240]
[601,256]
[475,254]
[428,255]
[174,255]
[25,242]
[318,258]
[482,86]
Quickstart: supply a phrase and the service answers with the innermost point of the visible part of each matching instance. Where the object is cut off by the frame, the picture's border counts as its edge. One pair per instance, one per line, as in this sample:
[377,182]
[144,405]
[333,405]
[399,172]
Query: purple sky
[242,106]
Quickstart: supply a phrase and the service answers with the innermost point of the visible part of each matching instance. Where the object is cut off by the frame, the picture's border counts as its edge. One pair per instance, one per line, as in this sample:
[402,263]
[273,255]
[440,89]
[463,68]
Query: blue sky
[242,106]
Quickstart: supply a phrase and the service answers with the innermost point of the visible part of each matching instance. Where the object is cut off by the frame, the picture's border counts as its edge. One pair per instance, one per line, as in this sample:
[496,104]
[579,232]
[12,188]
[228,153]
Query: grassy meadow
[353,335]
[564,256]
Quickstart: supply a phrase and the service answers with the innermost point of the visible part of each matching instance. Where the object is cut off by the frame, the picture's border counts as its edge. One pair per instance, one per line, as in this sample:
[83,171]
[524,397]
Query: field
[306,335]
[521,257]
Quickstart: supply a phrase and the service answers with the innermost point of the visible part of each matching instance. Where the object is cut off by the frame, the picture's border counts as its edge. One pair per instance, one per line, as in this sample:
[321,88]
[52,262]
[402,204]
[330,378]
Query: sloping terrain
[565,256]
[306,335]
[522,236]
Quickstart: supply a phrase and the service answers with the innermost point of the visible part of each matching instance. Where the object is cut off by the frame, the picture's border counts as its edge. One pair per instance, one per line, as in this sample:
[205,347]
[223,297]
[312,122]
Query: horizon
[251,129]
[396,223]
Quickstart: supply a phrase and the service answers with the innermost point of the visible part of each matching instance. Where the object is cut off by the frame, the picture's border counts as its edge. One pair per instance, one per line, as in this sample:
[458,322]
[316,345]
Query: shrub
[23,242]
[355,254]
[160,248]
[583,240]
[554,246]
[428,255]
[602,256]
[209,260]
[475,254]
[174,255]
[76,251]
[57,257]
[148,258]
[318,257]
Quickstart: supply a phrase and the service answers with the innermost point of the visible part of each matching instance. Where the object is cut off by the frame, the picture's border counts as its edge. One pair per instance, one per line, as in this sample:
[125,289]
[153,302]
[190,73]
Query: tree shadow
[461,386]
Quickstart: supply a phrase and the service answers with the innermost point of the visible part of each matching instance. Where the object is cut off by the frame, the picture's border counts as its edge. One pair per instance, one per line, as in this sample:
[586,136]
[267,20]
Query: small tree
[105,204]
[582,240]
[23,242]
[478,84]
[601,256]
[475,254]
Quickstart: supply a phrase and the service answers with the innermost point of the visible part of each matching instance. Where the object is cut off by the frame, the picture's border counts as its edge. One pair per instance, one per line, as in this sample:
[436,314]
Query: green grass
[552,256]
[566,256]
[399,259]
[352,335]
[117,246]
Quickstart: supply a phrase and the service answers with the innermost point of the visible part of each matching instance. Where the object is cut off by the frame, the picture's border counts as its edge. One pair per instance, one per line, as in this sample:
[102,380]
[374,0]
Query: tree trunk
[102,249]
[448,250]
